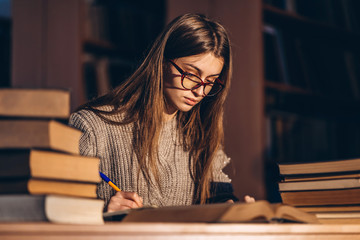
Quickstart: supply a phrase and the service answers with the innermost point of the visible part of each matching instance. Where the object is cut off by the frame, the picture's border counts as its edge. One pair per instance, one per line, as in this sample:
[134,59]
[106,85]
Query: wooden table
[165,231]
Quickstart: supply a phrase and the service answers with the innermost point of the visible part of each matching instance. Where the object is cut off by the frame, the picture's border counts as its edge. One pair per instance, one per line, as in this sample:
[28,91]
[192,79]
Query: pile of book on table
[329,189]
[42,175]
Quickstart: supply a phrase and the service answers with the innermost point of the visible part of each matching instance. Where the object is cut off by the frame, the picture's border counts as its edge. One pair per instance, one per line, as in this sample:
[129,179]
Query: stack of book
[329,189]
[42,175]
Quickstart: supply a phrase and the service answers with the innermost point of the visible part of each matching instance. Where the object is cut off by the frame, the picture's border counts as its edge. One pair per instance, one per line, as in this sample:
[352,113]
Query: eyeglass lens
[191,82]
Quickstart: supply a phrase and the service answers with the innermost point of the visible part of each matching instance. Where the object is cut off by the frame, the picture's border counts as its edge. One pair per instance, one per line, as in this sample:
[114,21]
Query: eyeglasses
[191,82]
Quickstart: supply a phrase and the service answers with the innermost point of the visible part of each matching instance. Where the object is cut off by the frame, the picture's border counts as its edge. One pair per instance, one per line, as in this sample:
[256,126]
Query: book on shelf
[324,66]
[260,211]
[319,184]
[52,208]
[317,177]
[322,197]
[352,62]
[284,58]
[339,217]
[339,220]
[96,21]
[275,64]
[298,138]
[35,186]
[330,209]
[32,133]
[350,10]
[340,14]
[96,74]
[320,10]
[38,103]
[335,214]
[323,167]
[20,163]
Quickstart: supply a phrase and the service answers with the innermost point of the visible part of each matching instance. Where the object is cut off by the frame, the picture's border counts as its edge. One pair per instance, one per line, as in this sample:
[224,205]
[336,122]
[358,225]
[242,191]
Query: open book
[260,211]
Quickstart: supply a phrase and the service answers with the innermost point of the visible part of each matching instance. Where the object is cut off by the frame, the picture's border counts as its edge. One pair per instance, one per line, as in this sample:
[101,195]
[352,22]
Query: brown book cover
[339,220]
[30,133]
[338,208]
[48,165]
[348,165]
[46,103]
[345,183]
[316,177]
[46,186]
[322,198]
[260,211]
[52,208]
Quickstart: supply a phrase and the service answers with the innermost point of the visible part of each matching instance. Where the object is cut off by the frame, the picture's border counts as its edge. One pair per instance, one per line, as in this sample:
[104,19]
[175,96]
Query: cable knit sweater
[113,145]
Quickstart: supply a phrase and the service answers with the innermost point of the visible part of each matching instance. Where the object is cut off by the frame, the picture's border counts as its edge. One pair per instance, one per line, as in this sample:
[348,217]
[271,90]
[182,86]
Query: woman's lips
[190,101]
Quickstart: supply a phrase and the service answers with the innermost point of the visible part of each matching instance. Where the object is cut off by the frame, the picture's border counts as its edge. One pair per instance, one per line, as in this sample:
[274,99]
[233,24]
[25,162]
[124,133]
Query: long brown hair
[141,99]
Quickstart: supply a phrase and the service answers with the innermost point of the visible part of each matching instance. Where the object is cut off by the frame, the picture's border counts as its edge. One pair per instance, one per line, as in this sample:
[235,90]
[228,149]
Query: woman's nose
[199,91]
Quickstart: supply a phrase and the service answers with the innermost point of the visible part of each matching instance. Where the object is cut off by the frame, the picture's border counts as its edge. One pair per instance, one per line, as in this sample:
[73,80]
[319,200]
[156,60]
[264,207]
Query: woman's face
[206,66]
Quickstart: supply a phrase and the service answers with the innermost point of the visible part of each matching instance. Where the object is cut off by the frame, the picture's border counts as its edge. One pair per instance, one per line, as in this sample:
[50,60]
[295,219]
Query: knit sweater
[113,145]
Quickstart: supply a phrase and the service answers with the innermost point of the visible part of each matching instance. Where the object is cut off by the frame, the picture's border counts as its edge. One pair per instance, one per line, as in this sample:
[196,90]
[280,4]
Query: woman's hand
[124,200]
[249,199]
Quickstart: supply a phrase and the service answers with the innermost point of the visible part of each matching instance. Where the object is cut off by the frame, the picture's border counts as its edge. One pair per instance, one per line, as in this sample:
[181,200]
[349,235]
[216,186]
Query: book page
[248,212]
[294,214]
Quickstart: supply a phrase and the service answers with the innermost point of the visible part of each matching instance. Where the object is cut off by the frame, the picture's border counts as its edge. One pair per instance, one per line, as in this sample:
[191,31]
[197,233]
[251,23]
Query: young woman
[160,134]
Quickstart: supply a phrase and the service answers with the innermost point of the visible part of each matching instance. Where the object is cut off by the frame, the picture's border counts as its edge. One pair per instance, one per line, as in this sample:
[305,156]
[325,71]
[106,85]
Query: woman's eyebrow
[194,67]
[199,70]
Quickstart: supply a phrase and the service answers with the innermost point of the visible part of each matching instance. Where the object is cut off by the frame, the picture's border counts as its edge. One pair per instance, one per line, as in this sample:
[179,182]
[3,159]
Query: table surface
[134,231]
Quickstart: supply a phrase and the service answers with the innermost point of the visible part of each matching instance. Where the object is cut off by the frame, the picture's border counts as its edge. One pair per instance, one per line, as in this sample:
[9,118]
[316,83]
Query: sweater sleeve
[87,144]
[221,188]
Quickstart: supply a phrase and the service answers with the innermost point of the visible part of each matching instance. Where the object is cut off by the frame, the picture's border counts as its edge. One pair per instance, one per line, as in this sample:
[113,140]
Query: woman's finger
[124,200]
[249,199]
[134,197]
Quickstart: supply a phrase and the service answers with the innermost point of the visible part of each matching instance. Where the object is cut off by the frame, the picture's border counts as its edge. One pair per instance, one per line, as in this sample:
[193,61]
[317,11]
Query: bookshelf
[87,46]
[115,35]
[312,79]
[5,46]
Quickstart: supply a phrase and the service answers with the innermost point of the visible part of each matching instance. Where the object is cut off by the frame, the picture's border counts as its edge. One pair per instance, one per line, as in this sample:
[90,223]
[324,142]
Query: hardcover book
[45,186]
[47,134]
[322,197]
[38,103]
[48,165]
[348,165]
[320,184]
[52,208]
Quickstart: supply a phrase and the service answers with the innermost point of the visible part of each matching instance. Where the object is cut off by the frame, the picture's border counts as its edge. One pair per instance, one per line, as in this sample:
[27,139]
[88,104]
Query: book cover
[45,186]
[322,197]
[48,165]
[39,103]
[347,165]
[47,134]
[52,208]
[320,184]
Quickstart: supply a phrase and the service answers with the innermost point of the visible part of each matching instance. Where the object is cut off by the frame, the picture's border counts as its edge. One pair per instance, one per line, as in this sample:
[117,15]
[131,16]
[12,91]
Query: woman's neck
[169,112]
[169,116]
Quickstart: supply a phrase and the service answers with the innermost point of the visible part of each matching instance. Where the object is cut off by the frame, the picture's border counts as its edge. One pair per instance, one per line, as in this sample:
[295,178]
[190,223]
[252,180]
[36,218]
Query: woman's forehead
[206,62]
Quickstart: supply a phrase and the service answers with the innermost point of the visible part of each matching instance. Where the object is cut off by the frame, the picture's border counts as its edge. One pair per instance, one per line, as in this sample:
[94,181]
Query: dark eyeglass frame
[202,83]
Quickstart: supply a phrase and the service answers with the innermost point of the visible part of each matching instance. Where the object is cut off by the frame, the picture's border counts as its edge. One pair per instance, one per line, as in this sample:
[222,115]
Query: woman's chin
[185,108]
